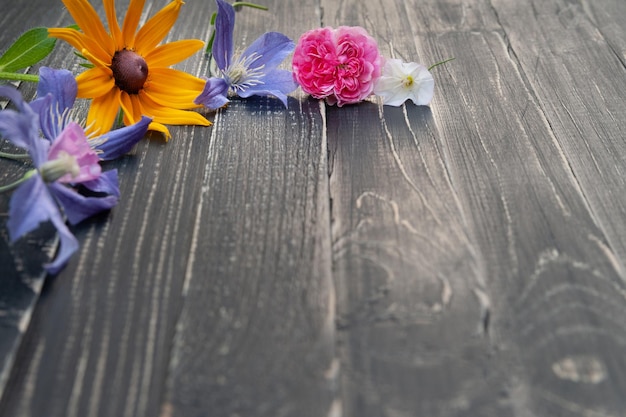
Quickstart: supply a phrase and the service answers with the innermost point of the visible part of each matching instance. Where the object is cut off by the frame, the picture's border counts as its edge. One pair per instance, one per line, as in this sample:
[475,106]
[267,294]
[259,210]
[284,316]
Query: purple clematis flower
[255,72]
[47,192]
[56,93]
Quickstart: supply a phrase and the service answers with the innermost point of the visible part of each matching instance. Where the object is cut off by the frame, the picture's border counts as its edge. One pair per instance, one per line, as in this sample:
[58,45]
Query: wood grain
[256,336]
[412,306]
[580,333]
[256,333]
[102,332]
[578,76]
[549,263]
[532,255]
[465,258]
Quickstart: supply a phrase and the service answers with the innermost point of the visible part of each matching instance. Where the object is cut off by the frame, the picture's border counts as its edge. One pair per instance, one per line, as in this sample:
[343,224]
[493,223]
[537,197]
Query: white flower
[401,81]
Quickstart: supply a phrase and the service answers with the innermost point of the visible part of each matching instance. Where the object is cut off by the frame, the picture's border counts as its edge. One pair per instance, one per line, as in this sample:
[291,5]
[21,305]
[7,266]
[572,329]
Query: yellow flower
[131,70]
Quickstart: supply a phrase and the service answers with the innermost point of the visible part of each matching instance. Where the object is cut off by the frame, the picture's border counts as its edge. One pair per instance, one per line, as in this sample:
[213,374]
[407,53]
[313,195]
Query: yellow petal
[127,108]
[94,82]
[131,21]
[114,27]
[155,29]
[160,128]
[175,80]
[172,53]
[89,22]
[94,59]
[172,88]
[131,107]
[174,101]
[103,112]
[81,41]
[161,114]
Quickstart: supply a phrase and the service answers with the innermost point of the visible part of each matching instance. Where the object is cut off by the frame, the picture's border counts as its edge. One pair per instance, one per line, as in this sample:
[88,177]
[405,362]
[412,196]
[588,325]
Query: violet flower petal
[30,205]
[67,246]
[119,142]
[276,83]
[223,41]
[271,48]
[21,128]
[106,183]
[50,120]
[214,94]
[78,207]
[56,93]
[73,141]
[15,128]
[61,84]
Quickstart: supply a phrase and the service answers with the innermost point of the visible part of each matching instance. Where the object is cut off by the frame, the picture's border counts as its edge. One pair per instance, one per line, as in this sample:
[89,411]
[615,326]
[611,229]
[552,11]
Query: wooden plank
[555,287]
[256,333]
[478,245]
[405,270]
[413,307]
[578,76]
[521,244]
[101,334]
[578,80]
[256,336]
[608,17]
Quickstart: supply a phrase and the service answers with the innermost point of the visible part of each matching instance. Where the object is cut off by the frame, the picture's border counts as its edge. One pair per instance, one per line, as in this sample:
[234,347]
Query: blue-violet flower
[254,73]
[48,192]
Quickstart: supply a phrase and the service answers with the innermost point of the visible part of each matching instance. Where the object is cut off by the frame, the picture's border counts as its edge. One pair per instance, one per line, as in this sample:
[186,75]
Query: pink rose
[340,65]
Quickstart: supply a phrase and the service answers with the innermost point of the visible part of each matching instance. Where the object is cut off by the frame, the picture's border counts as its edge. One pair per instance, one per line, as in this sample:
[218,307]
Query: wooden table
[462,259]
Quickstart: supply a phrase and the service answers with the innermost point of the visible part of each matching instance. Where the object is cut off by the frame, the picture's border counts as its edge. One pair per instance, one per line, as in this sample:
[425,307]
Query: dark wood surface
[462,259]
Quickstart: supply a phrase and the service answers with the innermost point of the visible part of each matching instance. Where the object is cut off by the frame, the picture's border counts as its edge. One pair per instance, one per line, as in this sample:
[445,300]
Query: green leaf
[30,48]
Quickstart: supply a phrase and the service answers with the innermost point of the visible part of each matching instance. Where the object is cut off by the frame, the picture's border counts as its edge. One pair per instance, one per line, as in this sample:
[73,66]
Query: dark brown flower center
[129,70]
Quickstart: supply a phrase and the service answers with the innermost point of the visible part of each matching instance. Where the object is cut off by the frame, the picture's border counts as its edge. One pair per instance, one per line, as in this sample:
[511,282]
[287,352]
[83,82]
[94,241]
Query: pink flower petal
[341,65]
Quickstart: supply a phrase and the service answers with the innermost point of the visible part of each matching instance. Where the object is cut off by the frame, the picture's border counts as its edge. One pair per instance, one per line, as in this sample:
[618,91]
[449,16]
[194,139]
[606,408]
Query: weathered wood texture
[462,259]
[102,332]
[256,332]
[488,213]
[200,218]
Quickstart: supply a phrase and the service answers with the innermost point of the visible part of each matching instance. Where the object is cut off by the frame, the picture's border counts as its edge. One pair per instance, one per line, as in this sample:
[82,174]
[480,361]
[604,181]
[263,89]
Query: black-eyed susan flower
[56,94]
[131,70]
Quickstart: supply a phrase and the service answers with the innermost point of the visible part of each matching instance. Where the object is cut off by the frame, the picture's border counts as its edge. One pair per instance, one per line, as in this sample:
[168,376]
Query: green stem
[14,76]
[254,6]
[14,185]
[440,63]
[15,157]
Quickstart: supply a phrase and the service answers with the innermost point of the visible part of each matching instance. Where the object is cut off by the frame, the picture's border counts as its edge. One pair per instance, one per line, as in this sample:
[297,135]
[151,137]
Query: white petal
[390,86]
[387,83]
[396,98]
[424,87]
